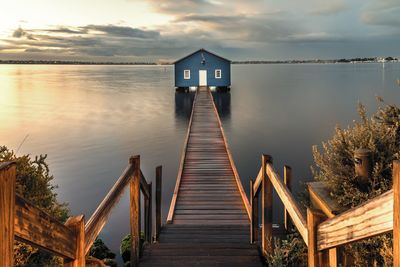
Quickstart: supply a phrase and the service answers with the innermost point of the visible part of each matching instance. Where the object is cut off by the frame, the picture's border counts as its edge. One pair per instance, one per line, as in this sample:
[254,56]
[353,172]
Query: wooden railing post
[148,215]
[158,201]
[396,213]
[314,218]
[7,213]
[77,225]
[266,203]
[287,180]
[252,222]
[135,211]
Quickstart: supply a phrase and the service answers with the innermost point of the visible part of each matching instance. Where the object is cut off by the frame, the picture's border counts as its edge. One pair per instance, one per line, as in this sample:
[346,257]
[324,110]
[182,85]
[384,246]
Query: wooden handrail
[286,197]
[72,240]
[371,218]
[170,216]
[36,227]
[289,202]
[245,200]
[99,218]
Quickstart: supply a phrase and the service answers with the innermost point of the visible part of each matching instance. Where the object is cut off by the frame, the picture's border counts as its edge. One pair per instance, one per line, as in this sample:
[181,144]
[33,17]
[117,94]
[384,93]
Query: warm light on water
[90,119]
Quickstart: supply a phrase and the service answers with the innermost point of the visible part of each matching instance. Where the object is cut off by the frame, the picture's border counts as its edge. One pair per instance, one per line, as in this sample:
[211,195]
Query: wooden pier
[211,221]
[208,221]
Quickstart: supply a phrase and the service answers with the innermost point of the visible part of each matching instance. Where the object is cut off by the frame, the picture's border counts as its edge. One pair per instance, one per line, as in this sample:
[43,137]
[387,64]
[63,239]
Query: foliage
[34,184]
[125,247]
[100,251]
[291,252]
[335,166]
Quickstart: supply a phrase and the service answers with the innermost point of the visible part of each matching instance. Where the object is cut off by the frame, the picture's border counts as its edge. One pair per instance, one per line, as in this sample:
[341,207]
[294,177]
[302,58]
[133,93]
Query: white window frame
[220,74]
[186,74]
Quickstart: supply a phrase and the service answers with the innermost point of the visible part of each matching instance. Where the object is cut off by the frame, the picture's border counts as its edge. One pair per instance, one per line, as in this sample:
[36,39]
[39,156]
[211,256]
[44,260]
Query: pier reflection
[223,104]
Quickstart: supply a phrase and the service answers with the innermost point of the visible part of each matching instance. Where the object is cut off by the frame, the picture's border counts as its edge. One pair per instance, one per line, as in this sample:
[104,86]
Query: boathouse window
[186,74]
[218,74]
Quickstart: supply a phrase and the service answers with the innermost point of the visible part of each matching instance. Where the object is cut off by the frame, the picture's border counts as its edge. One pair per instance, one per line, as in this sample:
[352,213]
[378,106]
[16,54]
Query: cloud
[20,33]
[329,8]
[123,31]
[382,13]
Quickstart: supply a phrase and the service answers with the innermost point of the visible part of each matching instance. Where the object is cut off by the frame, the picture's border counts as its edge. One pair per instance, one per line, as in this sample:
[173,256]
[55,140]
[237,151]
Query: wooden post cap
[267,158]
[133,159]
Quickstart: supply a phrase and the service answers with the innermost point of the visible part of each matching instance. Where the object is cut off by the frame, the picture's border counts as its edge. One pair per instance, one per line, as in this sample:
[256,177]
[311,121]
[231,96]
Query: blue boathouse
[202,68]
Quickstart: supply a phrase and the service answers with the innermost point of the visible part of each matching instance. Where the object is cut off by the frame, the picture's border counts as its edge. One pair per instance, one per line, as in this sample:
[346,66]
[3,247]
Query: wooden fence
[321,235]
[21,220]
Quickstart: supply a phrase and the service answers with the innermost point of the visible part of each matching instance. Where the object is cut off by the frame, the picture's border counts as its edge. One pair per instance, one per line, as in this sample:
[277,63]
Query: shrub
[335,166]
[34,184]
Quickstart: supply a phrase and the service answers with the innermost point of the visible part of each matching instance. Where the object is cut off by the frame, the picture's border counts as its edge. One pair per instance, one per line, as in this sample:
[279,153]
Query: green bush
[335,166]
[34,183]
[290,252]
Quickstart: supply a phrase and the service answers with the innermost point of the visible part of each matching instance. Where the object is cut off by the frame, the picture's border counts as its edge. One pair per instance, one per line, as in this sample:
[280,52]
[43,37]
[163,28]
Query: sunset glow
[129,30]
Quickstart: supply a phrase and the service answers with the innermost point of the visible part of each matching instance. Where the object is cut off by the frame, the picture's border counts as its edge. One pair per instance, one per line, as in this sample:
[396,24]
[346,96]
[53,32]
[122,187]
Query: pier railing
[323,235]
[21,220]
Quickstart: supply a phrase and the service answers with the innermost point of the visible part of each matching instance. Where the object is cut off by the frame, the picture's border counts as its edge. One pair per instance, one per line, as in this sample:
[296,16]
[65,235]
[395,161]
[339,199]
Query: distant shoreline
[244,62]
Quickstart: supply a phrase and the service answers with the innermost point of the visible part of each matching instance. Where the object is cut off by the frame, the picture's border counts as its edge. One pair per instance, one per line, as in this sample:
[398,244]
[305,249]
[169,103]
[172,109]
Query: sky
[164,30]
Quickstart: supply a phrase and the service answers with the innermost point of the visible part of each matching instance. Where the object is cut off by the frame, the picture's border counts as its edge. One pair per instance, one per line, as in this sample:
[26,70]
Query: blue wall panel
[194,64]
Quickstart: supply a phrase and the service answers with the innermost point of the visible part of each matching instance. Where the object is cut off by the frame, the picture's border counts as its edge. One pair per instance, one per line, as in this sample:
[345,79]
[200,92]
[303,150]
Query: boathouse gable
[202,68]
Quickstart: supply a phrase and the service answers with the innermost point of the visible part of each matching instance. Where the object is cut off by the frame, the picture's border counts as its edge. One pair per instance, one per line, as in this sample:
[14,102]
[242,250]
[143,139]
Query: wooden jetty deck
[208,221]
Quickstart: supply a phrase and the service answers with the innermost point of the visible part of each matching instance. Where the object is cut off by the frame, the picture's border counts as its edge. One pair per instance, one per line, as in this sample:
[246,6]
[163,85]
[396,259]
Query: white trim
[216,74]
[186,74]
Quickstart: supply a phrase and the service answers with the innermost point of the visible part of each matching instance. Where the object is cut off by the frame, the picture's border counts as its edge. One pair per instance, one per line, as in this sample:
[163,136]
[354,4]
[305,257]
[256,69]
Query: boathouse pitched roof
[201,50]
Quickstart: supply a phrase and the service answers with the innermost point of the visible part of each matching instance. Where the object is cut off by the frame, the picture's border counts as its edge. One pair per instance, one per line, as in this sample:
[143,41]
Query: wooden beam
[257,182]
[396,213]
[170,216]
[99,218]
[266,207]
[135,211]
[147,215]
[320,199]
[252,222]
[287,180]
[144,186]
[37,228]
[366,220]
[158,201]
[314,218]
[7,213]
[245,200]
[77,226]
[289,202]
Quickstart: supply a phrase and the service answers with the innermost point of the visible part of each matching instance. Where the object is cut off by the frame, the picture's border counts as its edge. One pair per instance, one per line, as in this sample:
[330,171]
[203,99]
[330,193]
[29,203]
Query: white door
[202,78]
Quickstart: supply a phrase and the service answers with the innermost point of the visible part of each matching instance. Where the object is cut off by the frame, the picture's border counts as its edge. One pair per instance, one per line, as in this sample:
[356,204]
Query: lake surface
[90,119]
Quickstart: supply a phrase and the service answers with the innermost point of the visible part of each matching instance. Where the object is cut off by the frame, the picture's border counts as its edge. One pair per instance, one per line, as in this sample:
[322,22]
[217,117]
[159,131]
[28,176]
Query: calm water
[90,119]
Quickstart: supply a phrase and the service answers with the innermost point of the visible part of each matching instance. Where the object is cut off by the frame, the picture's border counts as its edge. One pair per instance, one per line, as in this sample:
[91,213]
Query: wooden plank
[7,213]
[396,213]
[39,229]
[287,180]
[289,202]
[366,220]
[77,226]
[236,174]
[314,218]
[320,198]
[158,201]
[178,179]
[99,218]
[135,212]
[266,208]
